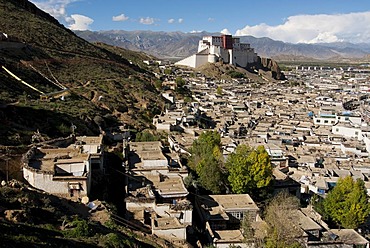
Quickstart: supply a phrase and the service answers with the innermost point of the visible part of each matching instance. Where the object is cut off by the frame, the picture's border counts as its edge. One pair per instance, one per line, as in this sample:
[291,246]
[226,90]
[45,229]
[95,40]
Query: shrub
[236,74]
[113,240]
[80,229]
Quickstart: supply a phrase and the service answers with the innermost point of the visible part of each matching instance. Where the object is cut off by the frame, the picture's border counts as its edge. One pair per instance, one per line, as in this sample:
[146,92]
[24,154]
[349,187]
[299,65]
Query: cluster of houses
[311,133]
[315,132]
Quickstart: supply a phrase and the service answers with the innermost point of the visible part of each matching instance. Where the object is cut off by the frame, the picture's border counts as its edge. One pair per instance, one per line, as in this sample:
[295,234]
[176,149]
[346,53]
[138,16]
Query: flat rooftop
[167,223]
[349,236]
[168,186]
[306,223]
[145,155]
[228,236]
[90,140]
[229,202]
[46,159]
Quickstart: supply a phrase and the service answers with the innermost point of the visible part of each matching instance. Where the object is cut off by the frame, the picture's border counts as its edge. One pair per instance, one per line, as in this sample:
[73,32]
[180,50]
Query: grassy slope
[44,220]
[102,80]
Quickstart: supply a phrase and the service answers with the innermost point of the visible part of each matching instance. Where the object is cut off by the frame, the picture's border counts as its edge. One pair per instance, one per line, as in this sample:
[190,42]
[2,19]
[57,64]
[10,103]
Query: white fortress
[223,48]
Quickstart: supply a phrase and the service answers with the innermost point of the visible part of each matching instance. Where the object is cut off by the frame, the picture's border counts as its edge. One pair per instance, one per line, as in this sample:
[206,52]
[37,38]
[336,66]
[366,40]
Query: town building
[66,172]
[224,48]
[156,194]
[221,217]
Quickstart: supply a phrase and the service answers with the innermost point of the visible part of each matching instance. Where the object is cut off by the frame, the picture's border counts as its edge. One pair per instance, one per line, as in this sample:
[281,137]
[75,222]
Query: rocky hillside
[31,218]
[67,81]
[178,45]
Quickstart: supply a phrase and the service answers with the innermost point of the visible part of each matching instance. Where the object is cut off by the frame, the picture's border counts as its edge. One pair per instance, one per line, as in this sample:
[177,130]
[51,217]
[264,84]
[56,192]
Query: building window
[318,121]
[337,130]
[237,215]
[356,133]
[326,121]
[332,122]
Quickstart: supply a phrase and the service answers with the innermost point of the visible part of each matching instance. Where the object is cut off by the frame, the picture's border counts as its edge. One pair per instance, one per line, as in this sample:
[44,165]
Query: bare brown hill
[102,82]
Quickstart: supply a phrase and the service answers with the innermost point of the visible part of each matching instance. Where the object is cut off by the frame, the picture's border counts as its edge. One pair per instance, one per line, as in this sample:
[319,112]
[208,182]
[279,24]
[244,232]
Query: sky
[293,21]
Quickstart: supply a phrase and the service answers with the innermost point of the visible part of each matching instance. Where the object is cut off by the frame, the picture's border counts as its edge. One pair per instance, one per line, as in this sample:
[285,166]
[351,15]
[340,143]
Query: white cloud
[171,20]
[351,27]
[120,18]
[79,22]
[196,31]
[225,31]
[210,19]
[56,8]
[181,20]
[147,20]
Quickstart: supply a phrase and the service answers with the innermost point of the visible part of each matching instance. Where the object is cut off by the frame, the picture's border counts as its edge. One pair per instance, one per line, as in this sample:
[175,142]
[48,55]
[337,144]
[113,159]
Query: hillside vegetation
[33,218]
[106,85]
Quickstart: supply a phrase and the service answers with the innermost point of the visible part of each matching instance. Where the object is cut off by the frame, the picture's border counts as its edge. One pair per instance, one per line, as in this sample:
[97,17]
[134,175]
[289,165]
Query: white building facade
[223,48]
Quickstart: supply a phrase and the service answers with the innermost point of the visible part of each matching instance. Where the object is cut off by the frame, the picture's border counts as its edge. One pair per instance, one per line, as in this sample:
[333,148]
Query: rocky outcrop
[269,65]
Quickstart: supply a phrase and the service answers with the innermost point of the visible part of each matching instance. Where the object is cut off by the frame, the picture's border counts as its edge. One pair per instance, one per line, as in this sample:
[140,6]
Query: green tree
[347,203]
[168,71]
[146,136]
[250,170]
[180,82]
[206,161]
[114,240]
[80,229]
[219,90]
[158,84]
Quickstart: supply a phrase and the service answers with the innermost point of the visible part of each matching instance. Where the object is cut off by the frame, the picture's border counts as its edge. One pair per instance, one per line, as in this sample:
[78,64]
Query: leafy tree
[80,229]
[219,90]
[250,170]
[180,82]
[190,181]
[146,136]
[114,240]
[187,99]
[347,203]
[158,84]
[282,232]
[168,71]
[206,161]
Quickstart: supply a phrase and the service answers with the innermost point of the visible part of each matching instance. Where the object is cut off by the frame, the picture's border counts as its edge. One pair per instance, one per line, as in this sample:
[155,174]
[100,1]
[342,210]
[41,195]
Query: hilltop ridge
[106,85]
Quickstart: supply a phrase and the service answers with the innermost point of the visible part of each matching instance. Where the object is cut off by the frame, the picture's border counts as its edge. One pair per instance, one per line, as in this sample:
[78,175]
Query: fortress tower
[223,48]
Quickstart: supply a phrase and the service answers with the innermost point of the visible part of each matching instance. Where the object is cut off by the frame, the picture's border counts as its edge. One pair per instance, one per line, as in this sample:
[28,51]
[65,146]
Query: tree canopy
[249,170]
[282,232]
[180,82]
[146,136]
[347,203]
[219,90]
[206,161]
[246,171]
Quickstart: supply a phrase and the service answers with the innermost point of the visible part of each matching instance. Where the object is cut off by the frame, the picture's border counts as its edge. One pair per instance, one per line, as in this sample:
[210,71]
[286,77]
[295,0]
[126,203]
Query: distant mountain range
[178,45]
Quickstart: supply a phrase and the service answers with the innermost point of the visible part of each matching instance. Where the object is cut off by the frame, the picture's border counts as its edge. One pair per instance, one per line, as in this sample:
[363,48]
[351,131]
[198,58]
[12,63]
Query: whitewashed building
[223,48]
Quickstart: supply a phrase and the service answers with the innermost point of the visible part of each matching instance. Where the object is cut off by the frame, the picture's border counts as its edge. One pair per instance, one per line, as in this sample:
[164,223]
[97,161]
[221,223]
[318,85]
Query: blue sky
[287,20]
